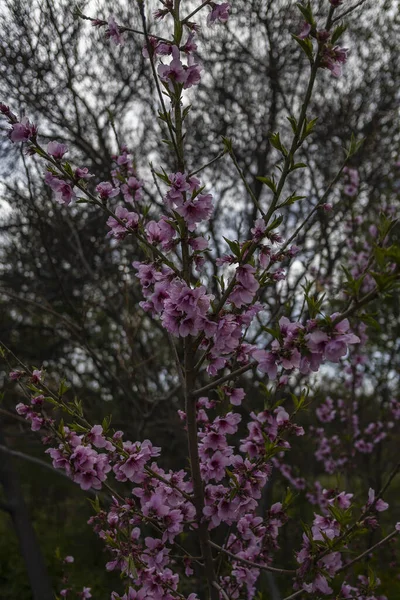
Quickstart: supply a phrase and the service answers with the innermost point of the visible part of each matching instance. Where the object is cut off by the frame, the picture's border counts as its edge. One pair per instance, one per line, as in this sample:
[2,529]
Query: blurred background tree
[68,297]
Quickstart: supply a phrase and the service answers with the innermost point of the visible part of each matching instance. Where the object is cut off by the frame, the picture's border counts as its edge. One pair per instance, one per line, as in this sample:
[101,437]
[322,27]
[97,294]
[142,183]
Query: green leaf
[306,46]
[354,146]
[68,169]
[78,428]
[369,320]
[52,401]
[275,223]
[288,498]
[337,32]
[385,225]
[276,334]
[275,140]
[308,127]
[39,151]
[306,11]
[227,144]
[384,281]
[293,123]
[63,388]
[95,504]
[33,388]
[234,246]
[269,182]
[291,200]
[186,112]
[163,176]
[106,423]
[178,32]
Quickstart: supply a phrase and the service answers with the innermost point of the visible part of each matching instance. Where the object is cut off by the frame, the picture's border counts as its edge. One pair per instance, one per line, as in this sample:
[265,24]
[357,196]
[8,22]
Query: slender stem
[295,595]
[210,162]
[189,373]
[221,590]
[191,423]
[347,12]
[360,520]
[122,28]
[186,19]
[251,563]
[296,143]
[246,185]
[153,70]
[316,207]
[94,200]
[216,383]
[374,547]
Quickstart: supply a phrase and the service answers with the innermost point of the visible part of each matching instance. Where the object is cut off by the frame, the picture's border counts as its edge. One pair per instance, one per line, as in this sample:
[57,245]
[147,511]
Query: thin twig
[221,590]
[253,564]
[348,11]
[246,185]
[374,547]
[213,160]
[216,383]
[186,19]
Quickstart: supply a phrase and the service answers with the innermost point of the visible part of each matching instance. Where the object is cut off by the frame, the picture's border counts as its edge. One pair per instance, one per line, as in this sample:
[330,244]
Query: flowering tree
[205,530]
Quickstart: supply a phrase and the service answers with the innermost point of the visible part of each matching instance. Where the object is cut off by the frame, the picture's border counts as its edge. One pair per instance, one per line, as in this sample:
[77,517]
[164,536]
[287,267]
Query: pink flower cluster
[306,347]
[352,181]
[22,130]
[332,57]
[141,530]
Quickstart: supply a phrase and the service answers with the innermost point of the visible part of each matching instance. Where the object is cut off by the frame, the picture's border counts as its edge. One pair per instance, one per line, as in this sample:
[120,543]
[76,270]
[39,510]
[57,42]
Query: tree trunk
[15,505]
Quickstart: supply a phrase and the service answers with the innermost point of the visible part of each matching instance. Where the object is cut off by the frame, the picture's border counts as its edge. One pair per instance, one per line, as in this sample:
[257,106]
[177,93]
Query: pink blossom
[56,149]
[37,400]
[113,32]
[267,362]
[193,74]
[333,58]
[69,559]
[106,190]
[259,229]
[129,220]
[189,46]
[196,210]
[15,375]
[305,31]
[219,13]
[320,584]
[379,504]
[22,131]
[83,173]
[132,190]
[235,395]
[22,409]
[36,376]
[152,46]
[198,244]
[185,309]
[281,415]
[241,296]
[64,191]
[172,73]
